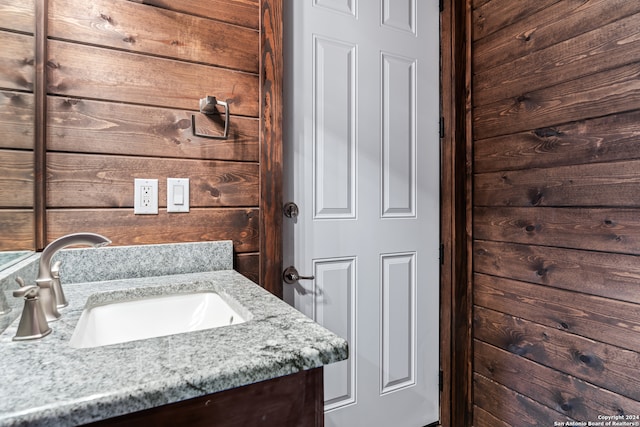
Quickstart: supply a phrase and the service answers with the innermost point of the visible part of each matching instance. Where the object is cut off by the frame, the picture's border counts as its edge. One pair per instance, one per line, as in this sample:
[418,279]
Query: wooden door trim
[456,303]
[40,124]
[271,99]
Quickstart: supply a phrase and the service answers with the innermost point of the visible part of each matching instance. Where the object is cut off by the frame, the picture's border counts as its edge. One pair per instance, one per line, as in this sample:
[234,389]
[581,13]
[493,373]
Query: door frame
[456,308]
[455,278]
[271,152]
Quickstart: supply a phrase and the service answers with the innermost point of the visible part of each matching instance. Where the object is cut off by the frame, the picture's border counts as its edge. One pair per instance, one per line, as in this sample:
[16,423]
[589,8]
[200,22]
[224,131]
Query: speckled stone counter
[48,383]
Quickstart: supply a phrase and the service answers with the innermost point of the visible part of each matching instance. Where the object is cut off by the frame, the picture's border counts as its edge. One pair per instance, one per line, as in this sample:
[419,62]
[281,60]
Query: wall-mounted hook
[208,107]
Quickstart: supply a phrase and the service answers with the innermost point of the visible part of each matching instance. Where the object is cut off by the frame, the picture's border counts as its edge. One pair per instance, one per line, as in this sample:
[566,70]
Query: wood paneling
[607,230]
[107,181]
[563,393]
[174,35]
[145,131]
[597,140]
[491,16]
[92,72]
[514,408]
[599,273]
[581,185]
[556,282]
[482,418]
[558,22]
[18,15]
[596,95]
[16,179]
[16,120]
[122,82]
[121,226]
[240,12]
[16,229]
[606,366]
[248,264]
[17,110]
[16,61]
[601,319]
[615,45]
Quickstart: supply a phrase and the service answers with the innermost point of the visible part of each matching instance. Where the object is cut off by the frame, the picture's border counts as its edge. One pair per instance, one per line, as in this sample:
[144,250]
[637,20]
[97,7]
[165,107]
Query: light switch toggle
[177,194]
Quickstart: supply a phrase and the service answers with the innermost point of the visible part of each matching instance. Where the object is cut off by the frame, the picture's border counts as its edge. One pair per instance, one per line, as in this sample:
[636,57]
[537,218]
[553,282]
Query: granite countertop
[48,383]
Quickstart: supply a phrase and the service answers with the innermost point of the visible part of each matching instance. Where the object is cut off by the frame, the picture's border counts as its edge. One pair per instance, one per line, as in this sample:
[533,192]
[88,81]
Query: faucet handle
[27,292]
[20,281]
[33,323]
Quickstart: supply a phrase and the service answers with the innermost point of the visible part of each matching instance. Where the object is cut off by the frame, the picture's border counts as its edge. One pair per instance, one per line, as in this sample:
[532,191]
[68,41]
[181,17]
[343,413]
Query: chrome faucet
[51,295]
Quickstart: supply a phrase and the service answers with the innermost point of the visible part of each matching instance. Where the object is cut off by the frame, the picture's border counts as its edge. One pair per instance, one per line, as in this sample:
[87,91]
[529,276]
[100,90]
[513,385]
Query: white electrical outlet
[145,196]
[177,194]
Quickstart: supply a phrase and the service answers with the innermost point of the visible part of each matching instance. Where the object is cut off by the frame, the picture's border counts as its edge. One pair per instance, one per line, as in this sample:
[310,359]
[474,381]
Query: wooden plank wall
[17,74]
[123,79]
[556,206]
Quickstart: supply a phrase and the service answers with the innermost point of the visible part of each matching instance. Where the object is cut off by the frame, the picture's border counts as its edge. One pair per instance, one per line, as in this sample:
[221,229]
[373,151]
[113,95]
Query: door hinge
[441,5]
[441,380]
[441,127]
[441,253]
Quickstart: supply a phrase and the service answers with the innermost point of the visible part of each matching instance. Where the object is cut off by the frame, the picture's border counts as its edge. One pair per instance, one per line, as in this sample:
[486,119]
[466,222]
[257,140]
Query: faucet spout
[48,295]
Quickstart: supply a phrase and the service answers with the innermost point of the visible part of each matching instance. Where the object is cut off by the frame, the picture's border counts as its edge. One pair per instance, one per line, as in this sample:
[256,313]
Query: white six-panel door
[362,163]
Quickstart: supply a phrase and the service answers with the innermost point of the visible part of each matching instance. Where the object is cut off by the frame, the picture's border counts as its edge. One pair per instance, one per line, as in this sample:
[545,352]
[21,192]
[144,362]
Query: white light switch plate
[177,194]
[145,196]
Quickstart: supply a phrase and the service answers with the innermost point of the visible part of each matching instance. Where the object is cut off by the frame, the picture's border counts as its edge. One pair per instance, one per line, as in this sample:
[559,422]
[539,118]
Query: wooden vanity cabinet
[292,400]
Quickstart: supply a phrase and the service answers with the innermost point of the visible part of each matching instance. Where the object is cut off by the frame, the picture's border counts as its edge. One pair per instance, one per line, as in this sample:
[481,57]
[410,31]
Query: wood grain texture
[16,120]
[602,319]
[17,61]
[16,229]
[453,402]
[556,107]
[40,123]
[608,92]
[482,418]
[608,275]
[75,125]
[599,140]
[560,21]
[271,104]
[513,408]
[474,4]
[493,15]
[586,185]
[125,25]
[608,367]
[289,401]
[575,398]
[456,287]
[248,264]
[606,47]
[107,181]
[16,179]
[98,73]
[239,12]
[124,228]
[606,230]
[18,15]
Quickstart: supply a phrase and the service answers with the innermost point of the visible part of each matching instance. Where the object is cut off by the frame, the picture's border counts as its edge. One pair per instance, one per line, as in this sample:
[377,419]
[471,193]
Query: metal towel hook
[208,107]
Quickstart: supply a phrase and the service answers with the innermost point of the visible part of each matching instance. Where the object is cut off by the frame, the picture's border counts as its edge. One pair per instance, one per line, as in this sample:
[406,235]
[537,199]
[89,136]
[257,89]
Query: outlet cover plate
[145,196]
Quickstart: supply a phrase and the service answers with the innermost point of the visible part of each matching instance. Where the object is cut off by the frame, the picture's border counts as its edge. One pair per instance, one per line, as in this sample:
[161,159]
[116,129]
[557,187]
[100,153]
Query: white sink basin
[158,316]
